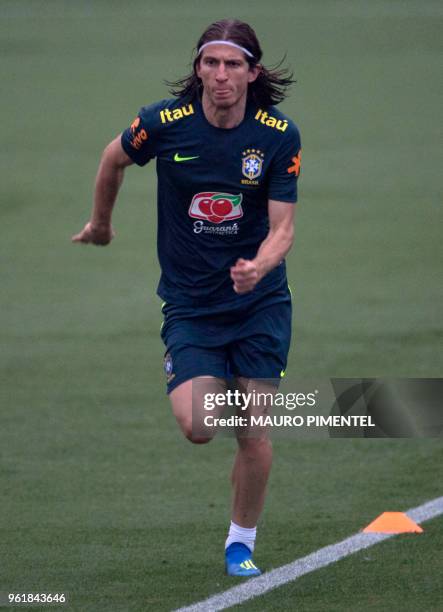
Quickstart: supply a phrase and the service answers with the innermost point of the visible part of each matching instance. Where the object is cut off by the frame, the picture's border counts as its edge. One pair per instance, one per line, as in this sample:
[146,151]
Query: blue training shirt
[213,191]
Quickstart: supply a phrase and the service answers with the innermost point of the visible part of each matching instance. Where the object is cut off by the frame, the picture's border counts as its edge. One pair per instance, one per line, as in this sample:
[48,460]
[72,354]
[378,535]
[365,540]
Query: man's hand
[107,184]
[245,275]
[95,234]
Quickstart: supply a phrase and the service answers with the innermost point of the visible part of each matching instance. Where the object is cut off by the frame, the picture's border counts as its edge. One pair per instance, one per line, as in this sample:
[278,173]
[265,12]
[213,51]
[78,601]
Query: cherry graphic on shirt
[221,207]
[215,219]
[205,206]
[216,207]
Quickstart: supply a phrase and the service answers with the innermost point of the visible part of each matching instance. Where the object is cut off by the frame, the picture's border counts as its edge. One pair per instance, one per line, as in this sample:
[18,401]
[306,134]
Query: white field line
[320,558]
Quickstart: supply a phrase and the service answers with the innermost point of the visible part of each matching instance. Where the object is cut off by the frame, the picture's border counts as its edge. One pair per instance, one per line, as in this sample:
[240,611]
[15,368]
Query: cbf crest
[252,165]
[167,365]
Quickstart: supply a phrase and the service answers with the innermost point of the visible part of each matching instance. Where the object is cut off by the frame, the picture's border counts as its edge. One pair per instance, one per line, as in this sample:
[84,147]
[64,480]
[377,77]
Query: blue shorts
[251,341]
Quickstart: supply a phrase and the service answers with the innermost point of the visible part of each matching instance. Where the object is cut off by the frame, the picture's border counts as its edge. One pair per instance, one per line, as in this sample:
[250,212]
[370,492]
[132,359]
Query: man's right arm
[107,184]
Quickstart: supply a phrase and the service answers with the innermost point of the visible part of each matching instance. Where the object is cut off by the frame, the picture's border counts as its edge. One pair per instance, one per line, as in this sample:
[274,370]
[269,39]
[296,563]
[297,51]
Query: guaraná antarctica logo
[216,207]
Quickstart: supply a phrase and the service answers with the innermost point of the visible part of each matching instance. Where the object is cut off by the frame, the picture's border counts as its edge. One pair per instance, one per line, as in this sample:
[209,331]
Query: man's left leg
[250,474]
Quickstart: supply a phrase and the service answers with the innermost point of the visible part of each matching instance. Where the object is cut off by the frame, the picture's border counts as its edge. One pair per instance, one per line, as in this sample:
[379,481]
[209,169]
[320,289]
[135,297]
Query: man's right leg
[189,404]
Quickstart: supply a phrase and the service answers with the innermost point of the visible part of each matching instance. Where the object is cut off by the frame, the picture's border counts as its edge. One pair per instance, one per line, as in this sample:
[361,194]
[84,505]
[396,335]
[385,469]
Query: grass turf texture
[101,498]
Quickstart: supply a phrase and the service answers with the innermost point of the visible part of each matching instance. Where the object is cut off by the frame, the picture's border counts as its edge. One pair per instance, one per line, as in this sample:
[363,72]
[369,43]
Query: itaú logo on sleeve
[216,206]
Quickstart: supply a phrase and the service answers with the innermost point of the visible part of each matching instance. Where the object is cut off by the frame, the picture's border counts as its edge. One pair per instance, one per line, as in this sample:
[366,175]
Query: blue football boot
[238,561]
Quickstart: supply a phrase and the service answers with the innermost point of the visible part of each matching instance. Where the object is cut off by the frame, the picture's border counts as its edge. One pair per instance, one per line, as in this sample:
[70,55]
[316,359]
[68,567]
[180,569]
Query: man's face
[225,75]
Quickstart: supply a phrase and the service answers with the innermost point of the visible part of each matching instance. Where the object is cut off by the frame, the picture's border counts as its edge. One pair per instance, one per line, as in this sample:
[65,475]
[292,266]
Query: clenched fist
[245,275]
[100,235]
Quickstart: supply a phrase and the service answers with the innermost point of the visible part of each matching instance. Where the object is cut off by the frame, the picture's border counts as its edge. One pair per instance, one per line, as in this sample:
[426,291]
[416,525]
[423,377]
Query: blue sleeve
[140,139]
[285,168]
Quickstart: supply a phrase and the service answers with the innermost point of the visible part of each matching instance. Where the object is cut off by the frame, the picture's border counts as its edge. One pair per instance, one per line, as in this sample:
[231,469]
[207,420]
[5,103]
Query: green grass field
[101,498]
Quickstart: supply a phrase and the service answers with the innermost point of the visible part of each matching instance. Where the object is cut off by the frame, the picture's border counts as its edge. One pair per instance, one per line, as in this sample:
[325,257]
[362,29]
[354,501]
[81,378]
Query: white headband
[224,42]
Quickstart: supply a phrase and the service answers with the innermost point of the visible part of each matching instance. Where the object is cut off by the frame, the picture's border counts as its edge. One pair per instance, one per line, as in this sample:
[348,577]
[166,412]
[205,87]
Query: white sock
[245,535]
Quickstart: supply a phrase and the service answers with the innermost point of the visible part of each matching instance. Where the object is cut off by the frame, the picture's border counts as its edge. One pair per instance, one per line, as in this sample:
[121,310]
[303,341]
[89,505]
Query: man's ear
[254,72]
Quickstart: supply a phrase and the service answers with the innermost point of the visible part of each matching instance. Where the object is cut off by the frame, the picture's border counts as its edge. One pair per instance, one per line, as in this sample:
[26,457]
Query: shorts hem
[178,380]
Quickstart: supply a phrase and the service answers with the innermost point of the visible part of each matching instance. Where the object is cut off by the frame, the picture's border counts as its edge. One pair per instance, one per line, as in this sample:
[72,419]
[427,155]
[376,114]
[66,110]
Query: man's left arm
[247,273]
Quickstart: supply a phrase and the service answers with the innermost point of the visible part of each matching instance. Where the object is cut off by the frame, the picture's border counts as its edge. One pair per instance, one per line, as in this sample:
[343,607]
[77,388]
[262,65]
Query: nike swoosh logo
[177,158]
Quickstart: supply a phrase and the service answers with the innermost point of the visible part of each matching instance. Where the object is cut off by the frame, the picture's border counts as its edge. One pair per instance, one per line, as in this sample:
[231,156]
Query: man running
[227,164]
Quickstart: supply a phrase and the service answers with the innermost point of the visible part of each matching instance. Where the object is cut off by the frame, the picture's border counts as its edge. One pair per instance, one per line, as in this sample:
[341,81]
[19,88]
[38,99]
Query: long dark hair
[272,83]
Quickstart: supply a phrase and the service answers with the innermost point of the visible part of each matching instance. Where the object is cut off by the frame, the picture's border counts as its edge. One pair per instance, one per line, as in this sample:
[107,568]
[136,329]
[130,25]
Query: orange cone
[393,522]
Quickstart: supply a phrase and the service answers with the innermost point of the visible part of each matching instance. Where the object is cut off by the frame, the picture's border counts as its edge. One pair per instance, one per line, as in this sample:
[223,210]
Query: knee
[195,434]
[197,438]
